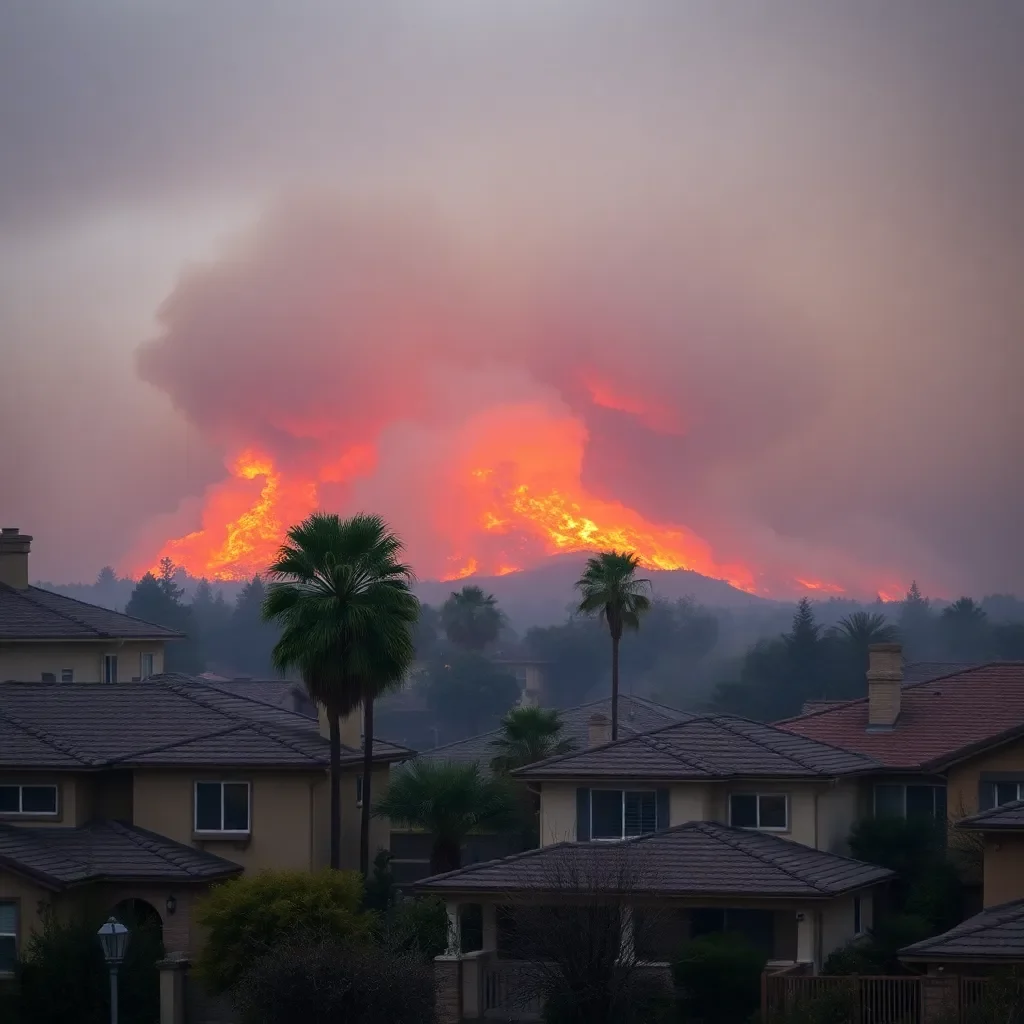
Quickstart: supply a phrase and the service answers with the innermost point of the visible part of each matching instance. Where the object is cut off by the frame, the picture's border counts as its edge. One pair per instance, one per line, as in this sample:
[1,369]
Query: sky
[784,238]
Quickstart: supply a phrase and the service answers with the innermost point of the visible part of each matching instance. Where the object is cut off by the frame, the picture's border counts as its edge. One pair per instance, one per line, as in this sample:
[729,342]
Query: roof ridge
[25,595]
[100,607]
[49,739]
[247,697]
[522,855]
[234,726]
[691,760]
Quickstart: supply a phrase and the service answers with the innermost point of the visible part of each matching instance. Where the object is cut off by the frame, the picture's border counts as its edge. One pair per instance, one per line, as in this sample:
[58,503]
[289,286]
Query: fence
[505,991]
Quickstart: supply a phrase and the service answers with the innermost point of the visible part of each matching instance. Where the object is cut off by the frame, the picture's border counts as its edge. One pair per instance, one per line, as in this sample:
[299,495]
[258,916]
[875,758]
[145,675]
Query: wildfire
[820,585]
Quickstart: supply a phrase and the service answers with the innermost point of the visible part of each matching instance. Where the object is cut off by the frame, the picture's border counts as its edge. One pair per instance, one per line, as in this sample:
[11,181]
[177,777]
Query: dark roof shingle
[1007,817]
[700,858]
[105,850]
[939,720]
[995,934]
[36,614]
[705,746]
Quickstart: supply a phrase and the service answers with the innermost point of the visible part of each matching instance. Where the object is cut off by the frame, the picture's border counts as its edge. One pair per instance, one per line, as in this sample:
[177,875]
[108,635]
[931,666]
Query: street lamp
[113,938]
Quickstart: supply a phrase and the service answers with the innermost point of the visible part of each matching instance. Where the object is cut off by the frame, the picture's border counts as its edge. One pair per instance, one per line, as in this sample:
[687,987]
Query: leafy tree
[1008,641]
[574,655]
[250,638]
[450,801]
[862,629]
[471,618]
[529,735]
[158,600]
[719,976]
[610,588]
[251,916]
[426,632]
[917,624]
[965,631]
[347,611]
[211,618]
[468,691]
[106,577]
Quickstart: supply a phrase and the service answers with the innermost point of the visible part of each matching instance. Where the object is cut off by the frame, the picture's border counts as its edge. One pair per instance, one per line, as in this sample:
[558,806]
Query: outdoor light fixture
[171,904]
[113,938]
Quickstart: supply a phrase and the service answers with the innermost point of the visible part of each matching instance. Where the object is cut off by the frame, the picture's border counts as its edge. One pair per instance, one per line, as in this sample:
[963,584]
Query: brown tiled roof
[636,715]
[995,934]
[704,747]
[700,858]
[37,614]
[58,857]
[1007,817]
[940,719]
[168,720]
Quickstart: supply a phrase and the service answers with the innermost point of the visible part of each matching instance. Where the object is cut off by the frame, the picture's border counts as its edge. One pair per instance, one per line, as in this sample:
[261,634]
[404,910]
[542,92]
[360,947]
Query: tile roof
[36,614]
[105,850]
[636,714]
[705,746]
[995,934]
[940,719]
[1005,817]
[700,858]
[167,720]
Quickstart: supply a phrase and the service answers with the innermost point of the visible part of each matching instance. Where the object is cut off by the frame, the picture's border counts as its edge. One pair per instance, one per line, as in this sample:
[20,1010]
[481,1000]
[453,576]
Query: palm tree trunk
[335,809]
[364,825]
[615,687]
[446,855]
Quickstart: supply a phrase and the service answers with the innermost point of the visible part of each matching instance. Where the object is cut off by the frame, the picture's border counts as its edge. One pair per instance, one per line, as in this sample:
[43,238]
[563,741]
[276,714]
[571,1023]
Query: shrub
[718,978]
[317,980]
[831,1006]
[248,917]
[637,1001]
[418,926]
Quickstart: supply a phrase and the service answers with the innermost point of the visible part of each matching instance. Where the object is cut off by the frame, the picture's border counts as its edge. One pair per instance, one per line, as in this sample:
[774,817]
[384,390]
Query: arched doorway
[138,977]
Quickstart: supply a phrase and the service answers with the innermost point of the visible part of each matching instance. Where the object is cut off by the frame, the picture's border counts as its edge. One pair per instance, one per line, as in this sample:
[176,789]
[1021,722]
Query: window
[995,794]
[28,799]
[896,800]
[759,810]
[67,675]
[857,924]
[617,813]
[49,677]
[110,668]
[145,666]
[222,807]
[8,936]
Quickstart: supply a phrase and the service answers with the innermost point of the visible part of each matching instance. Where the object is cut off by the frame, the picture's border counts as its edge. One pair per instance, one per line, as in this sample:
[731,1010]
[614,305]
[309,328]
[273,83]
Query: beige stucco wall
[839,809]
[1004,861]
[26,662]
[837,920]
[690,801]
[962,780]
[351,820]
[557,812]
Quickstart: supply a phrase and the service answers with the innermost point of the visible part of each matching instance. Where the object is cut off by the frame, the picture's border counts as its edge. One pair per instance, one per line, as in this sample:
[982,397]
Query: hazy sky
[796,226]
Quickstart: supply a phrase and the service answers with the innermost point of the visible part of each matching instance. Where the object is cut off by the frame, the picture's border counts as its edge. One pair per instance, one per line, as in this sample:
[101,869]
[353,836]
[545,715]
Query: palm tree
[529,735]
[448,800]
[862,629]
[610,587]
[471,618]
[346,611]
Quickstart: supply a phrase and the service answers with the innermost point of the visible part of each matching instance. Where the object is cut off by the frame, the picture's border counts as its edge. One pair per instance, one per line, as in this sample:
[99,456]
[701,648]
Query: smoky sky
[797,225]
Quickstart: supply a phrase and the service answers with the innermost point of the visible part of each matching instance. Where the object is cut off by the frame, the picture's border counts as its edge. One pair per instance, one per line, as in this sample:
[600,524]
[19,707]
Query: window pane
[110,668]
[236,807]
[706,921]
[921,802]
[7,918]
[773,812]
[7,953]
[146,666]
[39,799]
[641,814]
[1006,792]
[67,675]
[208,806]
[359,789]
[889,801]
[986,796]
[9,800]
[940,804]
[743,810]
[606,814]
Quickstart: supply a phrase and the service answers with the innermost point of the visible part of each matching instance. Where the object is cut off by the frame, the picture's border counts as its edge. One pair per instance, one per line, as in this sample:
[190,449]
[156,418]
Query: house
[148,794]
[949,746]
[52,638]
[584,724]
[737,825]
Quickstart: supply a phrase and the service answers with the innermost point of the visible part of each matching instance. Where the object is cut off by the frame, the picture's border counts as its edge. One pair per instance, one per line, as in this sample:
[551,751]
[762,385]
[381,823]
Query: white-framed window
[768,812]
[619,813]
[8,936]
[223,807]
[995,794]
[909,800]
[28,800]
[67,675]
[145,665]
[110,668]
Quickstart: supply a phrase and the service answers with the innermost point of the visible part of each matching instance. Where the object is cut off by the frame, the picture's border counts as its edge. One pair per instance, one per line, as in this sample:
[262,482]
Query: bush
[831,1006]
[718,978]
[418,926]
[637,1001]
[250,916]
[317,980]
[63,977]
[879,952]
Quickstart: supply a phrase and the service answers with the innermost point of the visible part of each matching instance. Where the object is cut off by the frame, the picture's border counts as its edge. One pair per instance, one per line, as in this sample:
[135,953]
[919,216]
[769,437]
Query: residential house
[738,825]
[149,793]
[586,724]
[52,638]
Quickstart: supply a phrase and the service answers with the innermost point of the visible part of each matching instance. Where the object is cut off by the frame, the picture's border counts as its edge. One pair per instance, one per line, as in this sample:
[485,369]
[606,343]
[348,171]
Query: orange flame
[820,585]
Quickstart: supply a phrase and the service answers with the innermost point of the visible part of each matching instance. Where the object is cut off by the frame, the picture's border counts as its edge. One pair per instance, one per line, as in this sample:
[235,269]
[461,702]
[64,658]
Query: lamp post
[113,938]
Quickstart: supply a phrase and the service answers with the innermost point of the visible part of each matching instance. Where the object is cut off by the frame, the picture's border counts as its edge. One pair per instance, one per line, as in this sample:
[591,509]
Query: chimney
[599,730]
[885,677]
[14,549]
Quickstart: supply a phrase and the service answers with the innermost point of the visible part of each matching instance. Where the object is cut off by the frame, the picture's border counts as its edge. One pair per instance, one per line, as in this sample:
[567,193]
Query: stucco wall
[380,828]
[837,921]
[1004,861]
[557,812]
[963,780]
[26,662]
[689,801]
[839,808]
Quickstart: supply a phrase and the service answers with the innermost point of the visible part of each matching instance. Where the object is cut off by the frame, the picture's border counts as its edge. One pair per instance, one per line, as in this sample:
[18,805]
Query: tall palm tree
[862,629]
[610,588]
[450,801]
[528,735]
[344,603]
[471,618]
